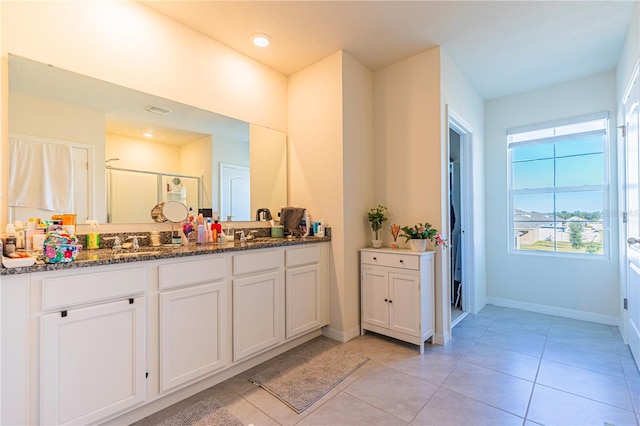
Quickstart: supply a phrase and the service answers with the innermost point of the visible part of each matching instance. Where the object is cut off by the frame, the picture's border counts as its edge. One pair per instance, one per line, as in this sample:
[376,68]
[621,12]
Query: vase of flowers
[377,216]
[418,235]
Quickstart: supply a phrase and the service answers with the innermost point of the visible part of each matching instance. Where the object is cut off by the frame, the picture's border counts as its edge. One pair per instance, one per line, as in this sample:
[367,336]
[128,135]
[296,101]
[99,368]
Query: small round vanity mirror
[171,211]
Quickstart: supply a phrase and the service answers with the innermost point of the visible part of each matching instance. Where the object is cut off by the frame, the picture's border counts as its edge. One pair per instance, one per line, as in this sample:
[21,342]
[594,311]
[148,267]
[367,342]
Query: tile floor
[502,367]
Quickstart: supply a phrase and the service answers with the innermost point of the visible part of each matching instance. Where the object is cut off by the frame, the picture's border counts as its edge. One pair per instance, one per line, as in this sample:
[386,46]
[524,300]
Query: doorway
[455,270]
[461,222]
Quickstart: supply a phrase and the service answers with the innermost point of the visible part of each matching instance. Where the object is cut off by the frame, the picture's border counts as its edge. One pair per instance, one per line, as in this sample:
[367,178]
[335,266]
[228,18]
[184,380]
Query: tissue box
[56,253]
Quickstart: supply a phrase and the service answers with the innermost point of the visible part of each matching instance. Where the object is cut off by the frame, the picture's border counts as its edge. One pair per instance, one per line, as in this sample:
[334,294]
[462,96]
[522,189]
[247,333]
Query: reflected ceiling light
[147,135]
[261,40]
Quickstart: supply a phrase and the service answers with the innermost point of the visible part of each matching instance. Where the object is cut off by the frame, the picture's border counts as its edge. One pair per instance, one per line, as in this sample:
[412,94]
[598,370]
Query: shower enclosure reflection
[131,194]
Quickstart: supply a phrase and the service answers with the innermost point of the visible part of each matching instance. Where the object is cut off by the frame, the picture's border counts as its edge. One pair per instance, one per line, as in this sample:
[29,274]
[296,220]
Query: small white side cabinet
[397,294]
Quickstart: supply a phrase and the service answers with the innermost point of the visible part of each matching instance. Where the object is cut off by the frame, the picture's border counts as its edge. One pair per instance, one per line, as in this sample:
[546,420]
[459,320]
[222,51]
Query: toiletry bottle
[229,231]
[93,237]
[155,238]
[201,237]
[321,228]
[216,229]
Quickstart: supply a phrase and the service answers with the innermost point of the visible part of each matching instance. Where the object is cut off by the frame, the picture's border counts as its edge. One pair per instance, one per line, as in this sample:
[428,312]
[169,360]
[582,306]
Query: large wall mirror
[82,145]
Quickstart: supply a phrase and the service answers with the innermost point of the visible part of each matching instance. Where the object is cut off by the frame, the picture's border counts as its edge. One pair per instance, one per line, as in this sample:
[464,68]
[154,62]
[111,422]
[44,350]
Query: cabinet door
[257,313]
[302,300]
[404,303]
[375,296]
[93,362]
[193,333]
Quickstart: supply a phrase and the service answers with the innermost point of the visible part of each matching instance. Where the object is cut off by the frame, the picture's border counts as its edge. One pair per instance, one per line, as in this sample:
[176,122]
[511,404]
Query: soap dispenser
[229,231]
[93,237]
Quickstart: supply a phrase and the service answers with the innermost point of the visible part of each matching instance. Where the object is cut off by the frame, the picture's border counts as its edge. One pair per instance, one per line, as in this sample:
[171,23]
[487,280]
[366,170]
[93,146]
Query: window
[558,186]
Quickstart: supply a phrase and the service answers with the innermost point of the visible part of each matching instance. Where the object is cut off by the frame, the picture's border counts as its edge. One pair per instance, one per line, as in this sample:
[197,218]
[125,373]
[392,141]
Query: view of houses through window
[559,186]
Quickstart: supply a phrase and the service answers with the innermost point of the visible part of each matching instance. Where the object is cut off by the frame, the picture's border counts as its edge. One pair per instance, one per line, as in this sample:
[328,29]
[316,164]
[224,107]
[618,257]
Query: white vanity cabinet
[194,322]
[306,303]
[92,345]
[397,294]
[258,300]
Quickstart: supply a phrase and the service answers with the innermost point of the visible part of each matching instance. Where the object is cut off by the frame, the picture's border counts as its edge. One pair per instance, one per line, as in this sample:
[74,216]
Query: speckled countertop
[88,258]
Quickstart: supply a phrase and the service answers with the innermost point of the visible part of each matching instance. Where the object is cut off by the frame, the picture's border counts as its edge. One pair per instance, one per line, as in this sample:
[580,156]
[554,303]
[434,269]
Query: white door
[193,333]
[235,192]
[404,303]
[257,314]
[375,297]
[632,187]
[302,300]
[93,362]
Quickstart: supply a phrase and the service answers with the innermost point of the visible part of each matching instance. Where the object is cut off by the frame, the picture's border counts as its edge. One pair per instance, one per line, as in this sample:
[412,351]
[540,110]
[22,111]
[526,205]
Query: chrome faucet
[252,234]
[136,244]
[263,215]
[243,238]
[117,244]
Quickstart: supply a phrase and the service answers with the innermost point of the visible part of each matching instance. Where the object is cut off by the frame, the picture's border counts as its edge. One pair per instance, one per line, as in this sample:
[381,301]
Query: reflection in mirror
[126,137]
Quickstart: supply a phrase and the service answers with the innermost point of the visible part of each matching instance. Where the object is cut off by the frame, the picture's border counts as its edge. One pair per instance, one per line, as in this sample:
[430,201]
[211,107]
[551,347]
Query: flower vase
[418,245]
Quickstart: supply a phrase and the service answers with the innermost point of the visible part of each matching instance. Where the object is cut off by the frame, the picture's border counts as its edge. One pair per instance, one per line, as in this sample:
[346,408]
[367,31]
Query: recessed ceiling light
[261,40]
[147,135]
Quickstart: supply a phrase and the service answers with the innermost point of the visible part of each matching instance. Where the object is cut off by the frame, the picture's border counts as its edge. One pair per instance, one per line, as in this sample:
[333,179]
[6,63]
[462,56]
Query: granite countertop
[88,258]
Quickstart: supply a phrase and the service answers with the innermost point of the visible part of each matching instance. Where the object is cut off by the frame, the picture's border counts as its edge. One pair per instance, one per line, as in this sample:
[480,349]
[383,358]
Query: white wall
[629,55]
[331,169]
[580,287]
[129,44]
[196,159]
[358,174]
[268,159]
[409,152]
[315,175]
[142,154]
[459,96]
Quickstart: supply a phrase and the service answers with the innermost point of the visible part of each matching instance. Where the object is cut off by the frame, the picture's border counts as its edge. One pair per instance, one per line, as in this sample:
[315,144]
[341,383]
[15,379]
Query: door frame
[465,216]
[622,203]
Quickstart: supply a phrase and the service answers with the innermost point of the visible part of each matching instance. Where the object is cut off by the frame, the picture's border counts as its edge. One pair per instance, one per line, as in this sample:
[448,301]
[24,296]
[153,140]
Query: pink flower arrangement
[423,231]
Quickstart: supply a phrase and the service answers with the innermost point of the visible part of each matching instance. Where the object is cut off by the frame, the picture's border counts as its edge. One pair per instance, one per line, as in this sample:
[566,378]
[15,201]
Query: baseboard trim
[339,335]
[555,310]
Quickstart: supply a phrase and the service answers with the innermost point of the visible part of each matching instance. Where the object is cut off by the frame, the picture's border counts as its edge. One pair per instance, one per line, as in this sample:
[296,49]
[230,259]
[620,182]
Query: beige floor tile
[392,391]
[554,407]
[344,409]
[448,408]
[491,387]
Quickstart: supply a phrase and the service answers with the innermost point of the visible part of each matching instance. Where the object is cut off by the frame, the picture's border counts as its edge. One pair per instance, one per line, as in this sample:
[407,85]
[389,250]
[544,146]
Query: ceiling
[502,47]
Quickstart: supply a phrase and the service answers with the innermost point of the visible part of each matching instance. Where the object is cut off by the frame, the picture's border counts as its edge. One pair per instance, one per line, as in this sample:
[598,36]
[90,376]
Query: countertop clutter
[88,258]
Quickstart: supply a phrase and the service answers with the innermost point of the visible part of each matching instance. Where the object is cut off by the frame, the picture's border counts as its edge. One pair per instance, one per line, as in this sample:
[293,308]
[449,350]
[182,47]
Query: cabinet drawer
[244,264]
[194,272]
[75,290]
[403,261]
[302,256]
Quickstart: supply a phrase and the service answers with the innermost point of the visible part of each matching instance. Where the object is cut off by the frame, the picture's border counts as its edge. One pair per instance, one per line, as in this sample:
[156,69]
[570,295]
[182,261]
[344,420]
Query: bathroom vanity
[113,337]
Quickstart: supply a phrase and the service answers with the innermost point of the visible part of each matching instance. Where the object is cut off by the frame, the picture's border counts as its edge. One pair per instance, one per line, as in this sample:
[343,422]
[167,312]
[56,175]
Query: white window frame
[605,187]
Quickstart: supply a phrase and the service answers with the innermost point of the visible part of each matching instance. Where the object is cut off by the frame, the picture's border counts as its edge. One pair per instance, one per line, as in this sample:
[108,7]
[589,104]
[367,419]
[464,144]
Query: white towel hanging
[40,175]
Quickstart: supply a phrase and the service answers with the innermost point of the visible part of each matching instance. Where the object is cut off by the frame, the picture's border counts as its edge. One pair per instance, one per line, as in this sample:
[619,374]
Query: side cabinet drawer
[403,261]
[244,264]
[194,272]
[75,290]
[302,256]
